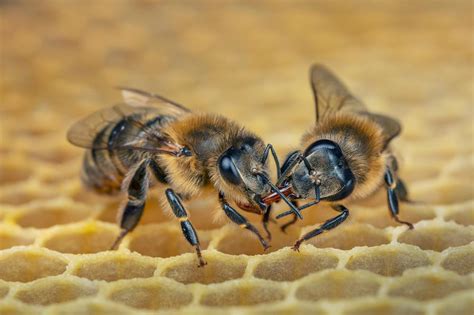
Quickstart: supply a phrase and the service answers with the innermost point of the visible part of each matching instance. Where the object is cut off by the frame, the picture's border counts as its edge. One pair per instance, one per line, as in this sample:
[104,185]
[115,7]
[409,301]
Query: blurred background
[61,60]
[247,60]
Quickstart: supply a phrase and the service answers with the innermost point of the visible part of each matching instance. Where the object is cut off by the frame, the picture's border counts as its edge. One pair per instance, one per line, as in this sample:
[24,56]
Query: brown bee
[151,139]
[346,155]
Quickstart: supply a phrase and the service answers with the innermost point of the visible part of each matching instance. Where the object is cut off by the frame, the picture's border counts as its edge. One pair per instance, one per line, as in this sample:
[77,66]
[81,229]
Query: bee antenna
[294,209]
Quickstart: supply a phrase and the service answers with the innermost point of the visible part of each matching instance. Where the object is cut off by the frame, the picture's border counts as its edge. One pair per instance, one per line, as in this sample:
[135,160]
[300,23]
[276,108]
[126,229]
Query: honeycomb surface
[61,59]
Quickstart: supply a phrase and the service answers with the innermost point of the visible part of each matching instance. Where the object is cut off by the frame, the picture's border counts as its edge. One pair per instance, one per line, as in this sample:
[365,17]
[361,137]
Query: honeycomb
[60,61]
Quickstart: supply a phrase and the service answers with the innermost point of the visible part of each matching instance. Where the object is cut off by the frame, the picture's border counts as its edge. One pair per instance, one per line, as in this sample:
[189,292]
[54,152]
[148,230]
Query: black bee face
[325,167]
[241,166]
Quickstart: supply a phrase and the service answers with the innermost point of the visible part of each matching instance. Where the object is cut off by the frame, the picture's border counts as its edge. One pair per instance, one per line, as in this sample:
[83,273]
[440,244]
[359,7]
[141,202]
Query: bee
[150,140]
[345,156]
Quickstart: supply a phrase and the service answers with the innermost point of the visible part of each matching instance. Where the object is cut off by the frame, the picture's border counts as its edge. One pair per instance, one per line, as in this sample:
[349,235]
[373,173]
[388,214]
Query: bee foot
[265,246]
[202,263]
[296,247]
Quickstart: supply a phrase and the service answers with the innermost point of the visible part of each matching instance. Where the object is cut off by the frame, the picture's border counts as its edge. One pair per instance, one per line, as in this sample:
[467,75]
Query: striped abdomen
[108,162]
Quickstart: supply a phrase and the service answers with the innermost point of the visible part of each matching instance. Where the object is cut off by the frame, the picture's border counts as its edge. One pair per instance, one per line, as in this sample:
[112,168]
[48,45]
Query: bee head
[241,167]
[324,166]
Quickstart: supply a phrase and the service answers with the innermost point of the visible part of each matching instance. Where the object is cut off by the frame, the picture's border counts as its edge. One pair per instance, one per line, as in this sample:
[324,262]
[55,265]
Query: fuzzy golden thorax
[208,137]
[361,143]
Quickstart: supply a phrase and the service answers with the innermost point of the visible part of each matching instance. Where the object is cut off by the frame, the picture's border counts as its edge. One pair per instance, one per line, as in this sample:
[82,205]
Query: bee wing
[391,127]
[330,94]
[139,108]
[84,133]
[139,98]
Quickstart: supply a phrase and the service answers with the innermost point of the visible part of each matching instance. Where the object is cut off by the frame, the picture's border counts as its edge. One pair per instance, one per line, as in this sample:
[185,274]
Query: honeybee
[152,140]
[345,156]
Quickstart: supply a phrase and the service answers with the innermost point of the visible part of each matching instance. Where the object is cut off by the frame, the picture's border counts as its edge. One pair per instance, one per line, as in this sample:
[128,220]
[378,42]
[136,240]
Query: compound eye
[228,170]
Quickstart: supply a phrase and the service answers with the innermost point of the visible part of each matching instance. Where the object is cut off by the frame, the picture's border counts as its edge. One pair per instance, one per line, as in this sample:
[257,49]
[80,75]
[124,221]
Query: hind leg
[137,191]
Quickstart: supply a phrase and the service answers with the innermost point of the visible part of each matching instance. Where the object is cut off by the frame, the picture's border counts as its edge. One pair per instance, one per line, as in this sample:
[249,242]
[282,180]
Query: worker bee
[345,156]
[152,140]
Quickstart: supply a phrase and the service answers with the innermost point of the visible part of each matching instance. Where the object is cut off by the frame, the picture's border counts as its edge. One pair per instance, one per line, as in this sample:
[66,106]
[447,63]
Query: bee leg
[292,221]
[326,226]
[239,219]
[137,190]
[392,197]
[186,226]
[267,218]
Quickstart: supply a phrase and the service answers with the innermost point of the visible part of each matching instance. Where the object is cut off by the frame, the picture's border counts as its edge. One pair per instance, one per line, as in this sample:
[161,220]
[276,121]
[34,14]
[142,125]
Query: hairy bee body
[207,136]
[151,139]
[344,156]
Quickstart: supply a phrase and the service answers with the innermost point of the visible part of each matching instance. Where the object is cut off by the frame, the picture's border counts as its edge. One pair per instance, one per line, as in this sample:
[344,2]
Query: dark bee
[151,139]
[346,155]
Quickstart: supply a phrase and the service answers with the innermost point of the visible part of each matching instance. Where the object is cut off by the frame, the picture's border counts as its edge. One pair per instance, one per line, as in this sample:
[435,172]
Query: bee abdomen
[107,163]
[94,177]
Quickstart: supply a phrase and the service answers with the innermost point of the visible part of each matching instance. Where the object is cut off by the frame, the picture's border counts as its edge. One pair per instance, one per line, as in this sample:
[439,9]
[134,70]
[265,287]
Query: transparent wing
[330,94]
[88,132]
[139,110]
[138,98]
[391,127]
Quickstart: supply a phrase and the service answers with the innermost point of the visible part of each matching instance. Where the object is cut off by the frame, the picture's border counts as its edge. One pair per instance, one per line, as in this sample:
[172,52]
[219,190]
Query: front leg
[137,190]
[326,226]
[292,221]
[265,220]
[239,219]
[392,197]
[186,226]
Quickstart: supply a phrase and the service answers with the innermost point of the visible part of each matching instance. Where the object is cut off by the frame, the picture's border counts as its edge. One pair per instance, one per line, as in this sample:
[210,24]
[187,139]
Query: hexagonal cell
[162,241]
[350,236]
[437,237]
[21,196]
[464,216]
[241,241]
[459,305]
[46,216]
[87,238]
[460,260]
[288,265]
[152,213]
[12,172]
[54,155]
[244,292]
[27,265]
[112,267]
[52,291]
[385,307]
[219,268]
[390,260]
[8,239]
[428,286]
[8,308]
[338,284]
[151,294]
[448,191]
[3,290]
[380,217]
